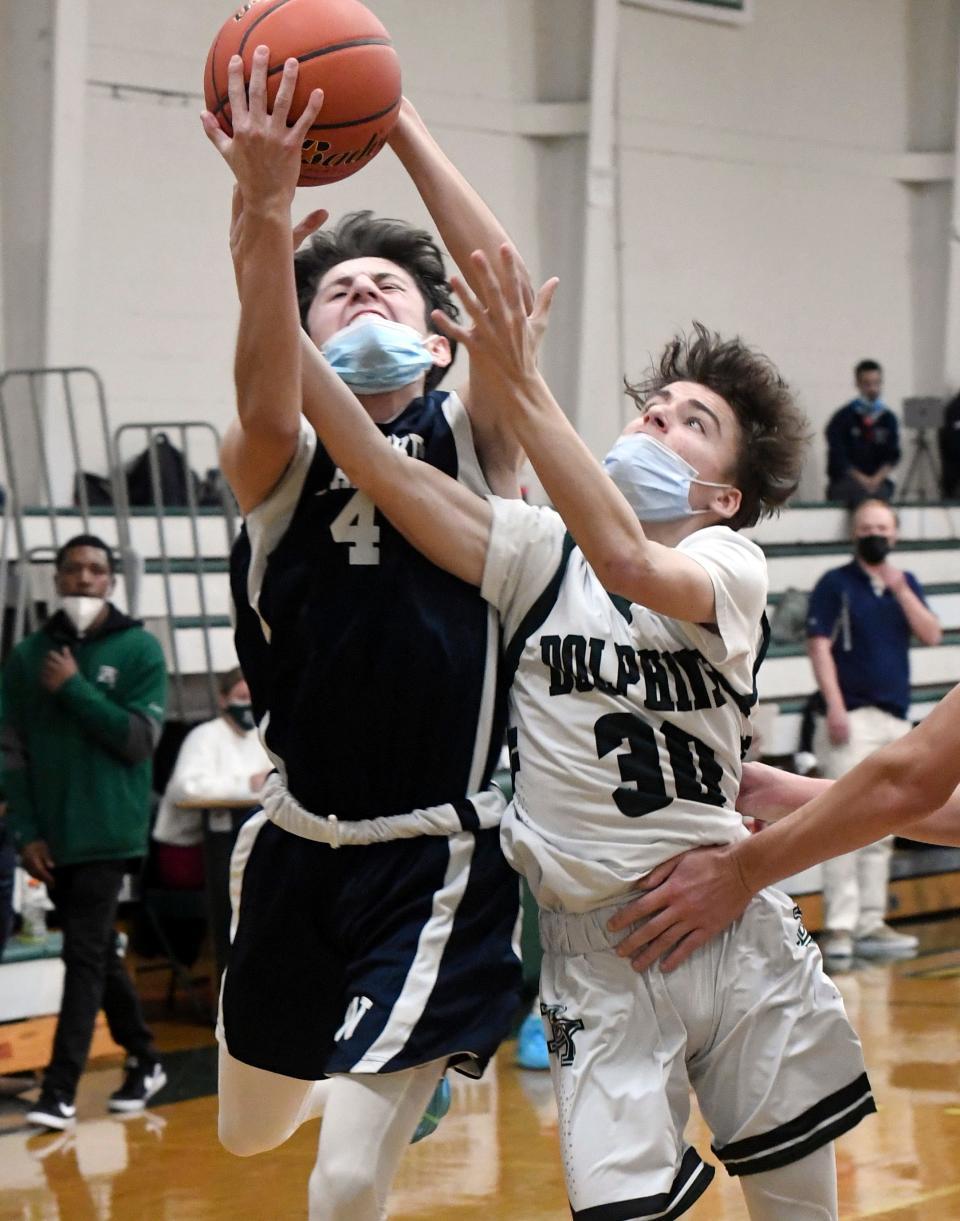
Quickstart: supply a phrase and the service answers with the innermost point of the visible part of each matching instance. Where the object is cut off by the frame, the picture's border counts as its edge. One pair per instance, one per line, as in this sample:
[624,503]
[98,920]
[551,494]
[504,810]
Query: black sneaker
[53,1111]
[142,1081]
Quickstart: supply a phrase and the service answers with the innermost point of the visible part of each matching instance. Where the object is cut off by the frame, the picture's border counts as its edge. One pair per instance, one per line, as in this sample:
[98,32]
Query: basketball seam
[302,59]
[253,24]
[356,122]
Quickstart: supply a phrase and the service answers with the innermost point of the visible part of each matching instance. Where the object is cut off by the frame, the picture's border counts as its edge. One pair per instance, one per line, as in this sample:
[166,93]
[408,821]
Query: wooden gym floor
[494,1158]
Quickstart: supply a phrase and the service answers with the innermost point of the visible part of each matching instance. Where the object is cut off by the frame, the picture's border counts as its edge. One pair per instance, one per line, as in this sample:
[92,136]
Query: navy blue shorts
[370,959]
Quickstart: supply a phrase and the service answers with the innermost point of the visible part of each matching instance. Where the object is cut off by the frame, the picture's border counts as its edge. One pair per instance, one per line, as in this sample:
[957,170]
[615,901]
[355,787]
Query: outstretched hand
[685,902]
[264,151]
[504,338]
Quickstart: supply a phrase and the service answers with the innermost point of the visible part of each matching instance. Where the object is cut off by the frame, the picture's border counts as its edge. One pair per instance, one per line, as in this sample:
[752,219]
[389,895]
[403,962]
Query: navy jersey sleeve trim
[537,613]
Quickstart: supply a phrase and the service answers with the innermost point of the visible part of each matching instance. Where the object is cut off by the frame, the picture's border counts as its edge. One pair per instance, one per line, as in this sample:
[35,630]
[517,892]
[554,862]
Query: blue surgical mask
[653,479]
[376,355]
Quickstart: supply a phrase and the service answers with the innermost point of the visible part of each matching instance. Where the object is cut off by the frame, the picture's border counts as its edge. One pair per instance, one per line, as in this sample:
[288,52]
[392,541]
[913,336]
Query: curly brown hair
[774,432]
[361,234]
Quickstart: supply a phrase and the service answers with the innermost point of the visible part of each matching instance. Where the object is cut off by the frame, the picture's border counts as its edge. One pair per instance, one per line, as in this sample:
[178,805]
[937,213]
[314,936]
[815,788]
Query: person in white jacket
[220,760]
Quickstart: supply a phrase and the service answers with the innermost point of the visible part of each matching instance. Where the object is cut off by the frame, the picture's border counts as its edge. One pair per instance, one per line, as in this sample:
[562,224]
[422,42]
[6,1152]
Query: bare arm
[606,529]
[465,224]
[264,155]
[908,786]
[436,514]
[769,793]
[820,653]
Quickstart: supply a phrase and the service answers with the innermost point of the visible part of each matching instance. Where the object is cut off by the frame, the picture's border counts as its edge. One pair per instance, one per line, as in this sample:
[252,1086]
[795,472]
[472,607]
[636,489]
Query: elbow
[622,572]
[911,780]
[934,635]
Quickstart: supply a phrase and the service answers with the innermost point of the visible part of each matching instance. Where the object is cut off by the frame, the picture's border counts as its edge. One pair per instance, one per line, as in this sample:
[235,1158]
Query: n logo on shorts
[563,1029]
[358,1007]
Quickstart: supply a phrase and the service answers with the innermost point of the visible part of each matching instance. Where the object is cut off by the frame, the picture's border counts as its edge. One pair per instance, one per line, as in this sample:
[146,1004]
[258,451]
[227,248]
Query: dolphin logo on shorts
[562,1029]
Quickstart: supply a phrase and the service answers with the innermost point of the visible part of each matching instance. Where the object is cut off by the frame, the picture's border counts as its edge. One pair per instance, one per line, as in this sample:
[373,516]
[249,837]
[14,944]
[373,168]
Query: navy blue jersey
[870,634]
[373,672]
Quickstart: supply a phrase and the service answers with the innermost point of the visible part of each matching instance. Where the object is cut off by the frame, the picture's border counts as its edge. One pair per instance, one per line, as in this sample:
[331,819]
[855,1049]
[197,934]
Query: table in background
[221,822]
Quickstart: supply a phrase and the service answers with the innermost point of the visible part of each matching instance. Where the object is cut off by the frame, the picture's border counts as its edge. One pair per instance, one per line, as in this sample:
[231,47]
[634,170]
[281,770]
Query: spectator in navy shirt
[860,622]
[863,444]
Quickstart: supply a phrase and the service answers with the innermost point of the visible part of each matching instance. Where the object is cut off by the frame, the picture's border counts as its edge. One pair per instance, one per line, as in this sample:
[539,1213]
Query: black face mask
[241,715]
[873,548]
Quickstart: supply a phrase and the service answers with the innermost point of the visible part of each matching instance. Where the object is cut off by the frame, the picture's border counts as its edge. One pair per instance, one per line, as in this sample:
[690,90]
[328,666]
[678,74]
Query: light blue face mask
[654,480]
[376,355]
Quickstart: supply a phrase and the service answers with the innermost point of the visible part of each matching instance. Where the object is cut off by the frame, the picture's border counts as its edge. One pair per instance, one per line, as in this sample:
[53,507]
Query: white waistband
[476,813]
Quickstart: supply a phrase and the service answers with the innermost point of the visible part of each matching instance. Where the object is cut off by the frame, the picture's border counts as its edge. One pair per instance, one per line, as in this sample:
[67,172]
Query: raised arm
[502,345]
[909,786]
[264,156]
[436,514]
[465,223]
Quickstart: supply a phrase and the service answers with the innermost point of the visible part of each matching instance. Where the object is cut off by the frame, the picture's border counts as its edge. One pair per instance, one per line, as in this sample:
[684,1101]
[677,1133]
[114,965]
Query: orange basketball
[342,49]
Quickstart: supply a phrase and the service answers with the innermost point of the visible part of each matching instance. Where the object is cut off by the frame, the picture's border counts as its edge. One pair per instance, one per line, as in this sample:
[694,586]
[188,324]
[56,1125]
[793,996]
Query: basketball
[342,49]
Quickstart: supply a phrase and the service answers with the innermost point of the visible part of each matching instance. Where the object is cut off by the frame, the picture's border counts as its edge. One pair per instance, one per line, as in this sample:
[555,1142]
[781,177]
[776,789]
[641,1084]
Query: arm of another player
[502,346]
[465,223]
[264,156]
[910,786]
[436,514]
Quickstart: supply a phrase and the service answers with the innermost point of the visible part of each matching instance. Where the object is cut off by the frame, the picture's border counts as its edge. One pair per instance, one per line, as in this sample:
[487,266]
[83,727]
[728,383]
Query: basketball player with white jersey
[375,917]
[633,643]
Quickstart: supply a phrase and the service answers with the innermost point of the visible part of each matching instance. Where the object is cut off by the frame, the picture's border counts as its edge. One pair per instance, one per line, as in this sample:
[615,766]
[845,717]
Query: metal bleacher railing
[55,430]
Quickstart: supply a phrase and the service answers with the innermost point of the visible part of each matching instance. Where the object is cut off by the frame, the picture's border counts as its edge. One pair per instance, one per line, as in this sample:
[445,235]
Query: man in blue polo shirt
[859,627]
[863,443]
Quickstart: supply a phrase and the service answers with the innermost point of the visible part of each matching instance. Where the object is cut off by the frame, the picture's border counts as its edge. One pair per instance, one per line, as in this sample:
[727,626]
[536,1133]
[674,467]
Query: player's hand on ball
[685,902]
[263,152]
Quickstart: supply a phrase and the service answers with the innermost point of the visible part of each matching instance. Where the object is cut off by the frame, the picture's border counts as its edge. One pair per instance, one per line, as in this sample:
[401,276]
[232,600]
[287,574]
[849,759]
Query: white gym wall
[790,178]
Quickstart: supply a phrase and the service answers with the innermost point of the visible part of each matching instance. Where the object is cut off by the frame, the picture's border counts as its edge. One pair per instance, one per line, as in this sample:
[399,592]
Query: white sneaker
[883,940]
[836,944]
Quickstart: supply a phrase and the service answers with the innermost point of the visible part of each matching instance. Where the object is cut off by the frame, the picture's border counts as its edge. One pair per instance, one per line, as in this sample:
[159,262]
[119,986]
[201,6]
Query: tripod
[922,465]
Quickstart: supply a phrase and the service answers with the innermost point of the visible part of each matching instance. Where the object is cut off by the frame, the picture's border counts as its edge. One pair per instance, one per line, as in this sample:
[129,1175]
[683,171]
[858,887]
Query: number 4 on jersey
[355,526]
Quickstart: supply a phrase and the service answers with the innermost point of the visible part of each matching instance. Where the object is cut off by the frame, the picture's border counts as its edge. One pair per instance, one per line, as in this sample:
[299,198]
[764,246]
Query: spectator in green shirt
[83,706]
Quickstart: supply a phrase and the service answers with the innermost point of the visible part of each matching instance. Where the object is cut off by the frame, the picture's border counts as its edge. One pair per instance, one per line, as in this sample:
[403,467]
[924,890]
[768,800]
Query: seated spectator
[220,761]
[950,451]
[863,443]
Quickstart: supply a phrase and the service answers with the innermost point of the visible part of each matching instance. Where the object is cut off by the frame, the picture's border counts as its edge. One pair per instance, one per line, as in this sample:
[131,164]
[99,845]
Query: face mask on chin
[81,610]
[873,548]
[374,355]
[653,478]
[241,715]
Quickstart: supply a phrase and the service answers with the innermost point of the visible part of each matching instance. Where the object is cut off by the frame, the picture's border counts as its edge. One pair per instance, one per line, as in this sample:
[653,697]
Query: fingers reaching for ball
[264,151]
[500,308]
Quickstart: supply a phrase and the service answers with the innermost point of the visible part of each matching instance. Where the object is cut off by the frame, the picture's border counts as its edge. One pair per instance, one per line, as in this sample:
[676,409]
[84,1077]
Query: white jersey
[627,727]
[215,763]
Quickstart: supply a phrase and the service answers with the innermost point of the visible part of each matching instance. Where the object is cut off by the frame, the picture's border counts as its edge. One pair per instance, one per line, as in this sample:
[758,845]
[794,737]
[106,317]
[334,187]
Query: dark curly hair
[86,540]
[774,430]
[361,235]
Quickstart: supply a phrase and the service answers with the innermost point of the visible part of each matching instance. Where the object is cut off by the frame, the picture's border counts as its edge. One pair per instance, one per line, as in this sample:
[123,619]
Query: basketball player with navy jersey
[375,917]
[633,643]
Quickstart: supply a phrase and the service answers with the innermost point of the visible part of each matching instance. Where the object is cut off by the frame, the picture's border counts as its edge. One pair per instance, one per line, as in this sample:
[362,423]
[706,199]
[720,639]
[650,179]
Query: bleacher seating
[810,538]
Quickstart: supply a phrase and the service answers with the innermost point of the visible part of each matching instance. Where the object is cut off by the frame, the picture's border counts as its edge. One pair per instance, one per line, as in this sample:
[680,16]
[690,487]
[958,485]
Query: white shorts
[750,1021]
